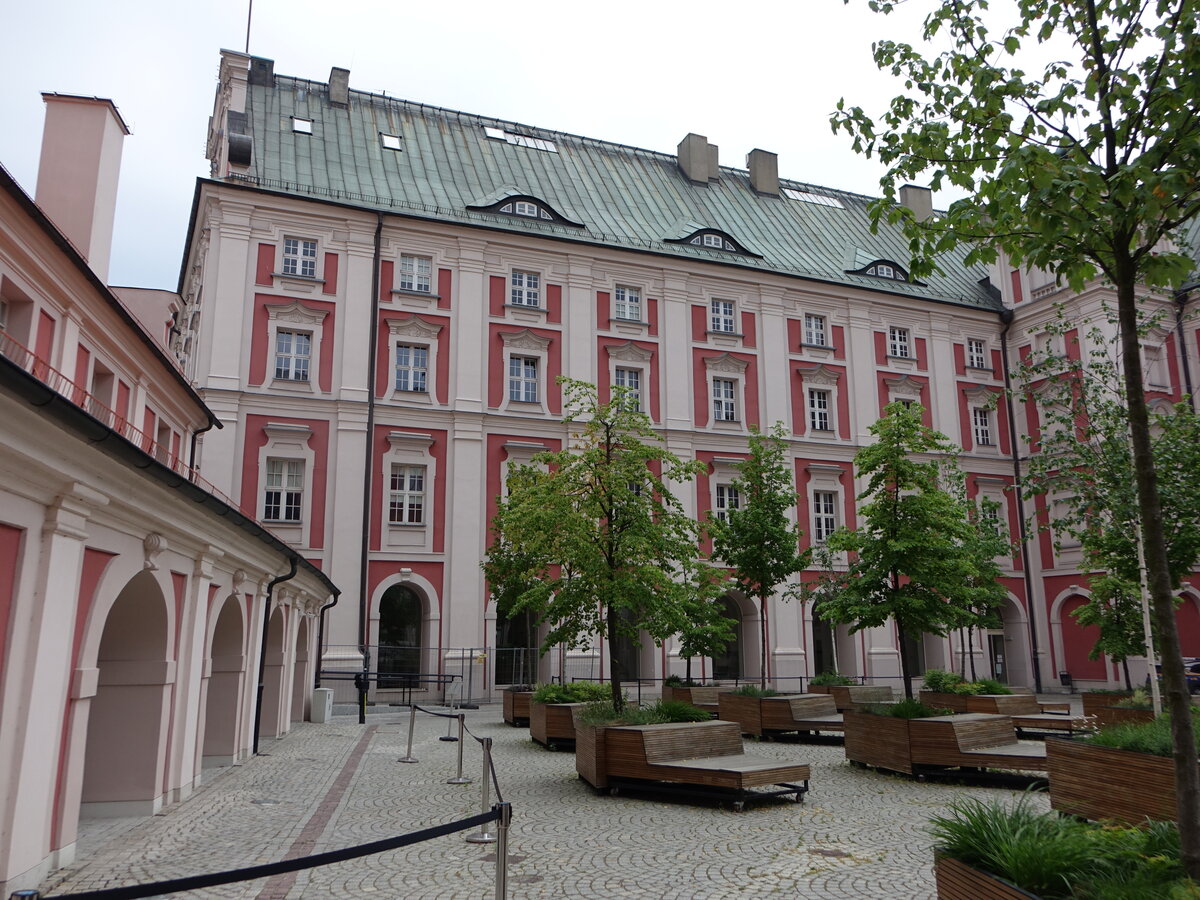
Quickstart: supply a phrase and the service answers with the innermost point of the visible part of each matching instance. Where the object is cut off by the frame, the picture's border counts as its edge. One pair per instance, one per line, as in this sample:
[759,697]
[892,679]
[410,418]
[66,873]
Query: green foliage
[991,686]
[919,557]
[592,541]
[1142,737]
[673,681]
[1058,858]
[1139,699]
[907,708]
[759,540]
[571,692]
[831,678]
[941,681]
[601,712]
[753,690]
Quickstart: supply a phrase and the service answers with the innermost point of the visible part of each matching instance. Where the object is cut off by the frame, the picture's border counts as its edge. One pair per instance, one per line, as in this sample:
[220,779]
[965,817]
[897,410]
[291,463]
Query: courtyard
[858,834]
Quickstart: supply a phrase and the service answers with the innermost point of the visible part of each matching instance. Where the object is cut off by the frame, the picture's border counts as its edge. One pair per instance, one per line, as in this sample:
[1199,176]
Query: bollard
[483,836]
[412,722]
[505,810]
[459,779]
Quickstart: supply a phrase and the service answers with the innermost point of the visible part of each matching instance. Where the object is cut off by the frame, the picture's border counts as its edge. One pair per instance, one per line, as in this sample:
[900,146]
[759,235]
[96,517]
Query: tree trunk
[905,663]
[971,650]
[1125,669]
[762,606]
[615,667]
[1178,700]
[688,671]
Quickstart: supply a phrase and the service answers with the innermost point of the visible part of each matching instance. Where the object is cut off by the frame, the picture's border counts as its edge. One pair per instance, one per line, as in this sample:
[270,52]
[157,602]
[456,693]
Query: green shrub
[571,692]
[1139,699]
[967,688]
[753,690]
[672,681]
[1142,737]
[1057,858]
[904,709]
[830,678]
[941,681]
[601,712]
[992,686]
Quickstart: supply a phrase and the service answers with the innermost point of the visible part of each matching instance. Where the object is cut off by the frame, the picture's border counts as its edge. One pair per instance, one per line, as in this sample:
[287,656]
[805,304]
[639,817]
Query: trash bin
[322,705]
[1065,679]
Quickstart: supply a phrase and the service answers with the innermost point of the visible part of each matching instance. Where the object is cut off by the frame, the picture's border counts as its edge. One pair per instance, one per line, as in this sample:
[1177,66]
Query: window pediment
[408,440]
[904,386]
[819,375]
[524,340]
[725,363]
[413,327]
[629,352]
[295,313]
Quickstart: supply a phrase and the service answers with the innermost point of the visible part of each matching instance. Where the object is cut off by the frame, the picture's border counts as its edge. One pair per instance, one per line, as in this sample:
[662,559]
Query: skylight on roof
[819,199]
[520,140]
[301,126]
[389,141]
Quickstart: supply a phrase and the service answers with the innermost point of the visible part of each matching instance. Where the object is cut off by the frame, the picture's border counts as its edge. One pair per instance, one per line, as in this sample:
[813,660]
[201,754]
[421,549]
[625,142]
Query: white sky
[757,74]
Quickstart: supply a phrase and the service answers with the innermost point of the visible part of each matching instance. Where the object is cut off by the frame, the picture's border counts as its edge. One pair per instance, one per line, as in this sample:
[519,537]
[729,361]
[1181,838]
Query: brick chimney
[339,87]
[78,172]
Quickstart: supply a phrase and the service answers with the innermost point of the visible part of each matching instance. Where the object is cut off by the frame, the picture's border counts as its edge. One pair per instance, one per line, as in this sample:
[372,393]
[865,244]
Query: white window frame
[284,480]
[525,289]
[824,506]
[1155,364]
[816,330]
[288,441]
[627,303]
[523,379]
[300,257]
[977,354]
[820,408]
[730,369]
[294,361]
[410,450]
[527,345]
[724,399]
[410,374]
[413,332]
[899,342]
[410,275]
[826,478]
[406,502]
[295,316]
[982,427]
[632,358]
[630,378]
[820,380]
[722,316]
[726,498]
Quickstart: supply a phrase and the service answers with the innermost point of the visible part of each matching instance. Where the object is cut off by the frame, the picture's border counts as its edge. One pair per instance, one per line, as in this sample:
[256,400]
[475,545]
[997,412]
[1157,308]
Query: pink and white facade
[134,601]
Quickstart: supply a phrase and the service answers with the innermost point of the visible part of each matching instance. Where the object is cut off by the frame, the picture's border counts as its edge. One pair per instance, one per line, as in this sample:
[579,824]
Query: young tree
[606,548]
[757,539]
[1085,463]
[708,630]
[1085,166]
[985,542]
[917,558]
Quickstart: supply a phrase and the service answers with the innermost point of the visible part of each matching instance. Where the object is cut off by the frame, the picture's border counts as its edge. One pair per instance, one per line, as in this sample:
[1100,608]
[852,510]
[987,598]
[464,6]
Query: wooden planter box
[819,689]
[746,711]
[942,700]
[516,707]
[1105,783]
[879,741]
[1116,715]
[703,696]
[855,695]
[958,881]
[1094,701]
[552,724]
[590,755]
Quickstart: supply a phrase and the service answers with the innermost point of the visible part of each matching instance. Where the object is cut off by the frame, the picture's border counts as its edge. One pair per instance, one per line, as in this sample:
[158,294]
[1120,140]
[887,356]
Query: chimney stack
[78,172]
[693,158]
[339,87]
[918,199]
[764,171]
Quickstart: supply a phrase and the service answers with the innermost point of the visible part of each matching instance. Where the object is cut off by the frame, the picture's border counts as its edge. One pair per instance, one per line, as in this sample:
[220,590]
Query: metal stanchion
[505,810]
[459,779]
[452,695]
[36,895]
[483,836]
[412,722]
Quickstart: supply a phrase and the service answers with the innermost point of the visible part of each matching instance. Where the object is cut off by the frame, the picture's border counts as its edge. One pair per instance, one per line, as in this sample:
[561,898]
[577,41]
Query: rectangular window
[416,273]
[293,350]
[728,499]
[631,380]
[724,399]
[814,330]
[406,496]
[284,493]
[523,379]
[300,257]
[722,316]
[412,367]
[526,288]
[824,515]
[976,354]
[627,303]
[818,410]
[898,344]
[981,419]
[3,315]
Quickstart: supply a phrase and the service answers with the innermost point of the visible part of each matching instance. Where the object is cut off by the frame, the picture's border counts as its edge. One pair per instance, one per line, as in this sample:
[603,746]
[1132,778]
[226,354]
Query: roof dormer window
[711,239]
[883,268]
[527,209]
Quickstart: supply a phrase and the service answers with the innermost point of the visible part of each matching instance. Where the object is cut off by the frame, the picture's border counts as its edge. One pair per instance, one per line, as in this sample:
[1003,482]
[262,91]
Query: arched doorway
[516,648]
[400,619]
[728,665]
[272,716]
[300,674]
[824,646]
[1077,644]
[127,718]
[224,693]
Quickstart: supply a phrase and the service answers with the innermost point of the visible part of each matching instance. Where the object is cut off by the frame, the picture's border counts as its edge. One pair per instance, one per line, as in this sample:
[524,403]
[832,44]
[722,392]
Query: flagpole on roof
[249,15]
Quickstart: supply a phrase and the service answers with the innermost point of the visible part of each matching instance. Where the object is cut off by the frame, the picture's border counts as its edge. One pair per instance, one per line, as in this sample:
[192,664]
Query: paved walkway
[858,834]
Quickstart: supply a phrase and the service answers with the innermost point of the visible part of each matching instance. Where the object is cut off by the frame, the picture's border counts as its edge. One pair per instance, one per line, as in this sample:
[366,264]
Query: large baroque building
[377,297]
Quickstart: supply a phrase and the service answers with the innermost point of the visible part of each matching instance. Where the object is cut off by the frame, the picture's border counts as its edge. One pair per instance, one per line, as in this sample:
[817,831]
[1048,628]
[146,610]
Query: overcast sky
[745,75]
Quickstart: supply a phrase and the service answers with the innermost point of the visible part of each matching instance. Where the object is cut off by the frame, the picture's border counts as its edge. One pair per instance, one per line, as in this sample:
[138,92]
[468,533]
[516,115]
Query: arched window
[729,663]
[400,624]
[711,239]
[883,268]
[527,209]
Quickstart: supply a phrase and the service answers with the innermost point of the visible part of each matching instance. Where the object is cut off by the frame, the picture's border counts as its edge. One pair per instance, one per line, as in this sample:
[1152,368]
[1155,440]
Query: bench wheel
[739,805]
[552,747]
[614,791]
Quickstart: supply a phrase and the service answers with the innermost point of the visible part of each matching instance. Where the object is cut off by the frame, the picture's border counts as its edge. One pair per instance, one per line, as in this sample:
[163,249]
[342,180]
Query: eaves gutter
[83,425]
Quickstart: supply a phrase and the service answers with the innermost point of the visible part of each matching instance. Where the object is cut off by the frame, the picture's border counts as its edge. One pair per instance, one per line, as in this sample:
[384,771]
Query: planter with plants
[1123,772]
[989,851]
[516,704]
[950,690]
[744,706]
[551,717]
[855,696]
[683,690]
[1136,707]
[1094,701]
[879,735]
[822,683]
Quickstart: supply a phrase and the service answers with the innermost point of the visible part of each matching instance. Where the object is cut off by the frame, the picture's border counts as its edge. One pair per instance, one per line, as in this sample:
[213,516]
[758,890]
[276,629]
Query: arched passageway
[301,676]
[400,629]
[225,685]
[272,716]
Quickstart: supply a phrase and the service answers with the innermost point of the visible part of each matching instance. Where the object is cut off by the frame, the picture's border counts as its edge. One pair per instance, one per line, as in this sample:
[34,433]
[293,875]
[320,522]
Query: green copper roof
[621,196]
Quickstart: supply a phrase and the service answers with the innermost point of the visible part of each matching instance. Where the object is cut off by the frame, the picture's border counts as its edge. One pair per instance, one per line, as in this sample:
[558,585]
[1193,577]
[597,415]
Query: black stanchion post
[505,810]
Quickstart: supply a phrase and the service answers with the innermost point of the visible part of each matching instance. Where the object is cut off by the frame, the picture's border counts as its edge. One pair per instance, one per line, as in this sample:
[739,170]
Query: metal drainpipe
[1006,316]
[192,449]
[368,465]
[321,633]
[262,650]
[1181,299]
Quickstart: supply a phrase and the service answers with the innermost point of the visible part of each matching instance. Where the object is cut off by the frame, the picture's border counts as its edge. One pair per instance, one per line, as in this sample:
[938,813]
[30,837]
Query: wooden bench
[801,712]
[697,758]
[1025,712]
[703,696]
[853,696]
[973,740]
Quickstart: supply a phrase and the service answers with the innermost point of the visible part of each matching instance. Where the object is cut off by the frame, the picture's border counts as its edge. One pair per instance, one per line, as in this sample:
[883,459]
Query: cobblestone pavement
[859,834]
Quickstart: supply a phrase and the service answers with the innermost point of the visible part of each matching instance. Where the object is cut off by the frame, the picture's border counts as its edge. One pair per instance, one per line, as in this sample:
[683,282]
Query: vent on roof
[521,140]
[819,199]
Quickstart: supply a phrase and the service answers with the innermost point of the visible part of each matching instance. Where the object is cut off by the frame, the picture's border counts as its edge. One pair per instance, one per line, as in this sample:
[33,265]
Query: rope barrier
[489,767]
